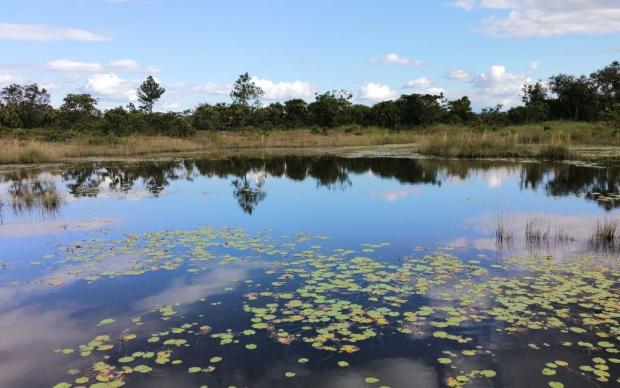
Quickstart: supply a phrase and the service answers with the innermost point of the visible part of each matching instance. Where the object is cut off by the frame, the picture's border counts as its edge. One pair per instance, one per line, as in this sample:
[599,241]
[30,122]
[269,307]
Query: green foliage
[611,116]
[170,124]
[120,122]
[591,98]
[148,93]
[492,117]
[459,111]
[79,112]
[245,96]
[25,106]
[330,109]
[386,114]
[420,109]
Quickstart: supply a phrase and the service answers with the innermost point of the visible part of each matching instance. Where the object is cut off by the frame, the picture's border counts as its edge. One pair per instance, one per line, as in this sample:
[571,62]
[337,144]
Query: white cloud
[285,90]
[119,65]
[497,4]
[6,79]
[377,92]
[458,74]
[498,86]
[418,83]
[396,195]
[534,65]
[545,18]
[464,4]
[44,33]
[436,91]
[273,90]
[397,59]
[211,88]
[112,87]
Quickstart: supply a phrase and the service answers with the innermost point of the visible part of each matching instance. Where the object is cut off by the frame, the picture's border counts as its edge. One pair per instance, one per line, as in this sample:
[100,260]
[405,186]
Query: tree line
[593,98]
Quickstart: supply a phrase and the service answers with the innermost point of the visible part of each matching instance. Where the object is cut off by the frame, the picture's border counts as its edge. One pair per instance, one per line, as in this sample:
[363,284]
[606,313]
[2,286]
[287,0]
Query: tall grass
[605,234]
[503,235]
[489,145]
[537,233]
[530,141]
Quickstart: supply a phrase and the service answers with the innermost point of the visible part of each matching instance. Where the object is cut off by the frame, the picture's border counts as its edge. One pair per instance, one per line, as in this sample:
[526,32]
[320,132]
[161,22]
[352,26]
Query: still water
[309,271]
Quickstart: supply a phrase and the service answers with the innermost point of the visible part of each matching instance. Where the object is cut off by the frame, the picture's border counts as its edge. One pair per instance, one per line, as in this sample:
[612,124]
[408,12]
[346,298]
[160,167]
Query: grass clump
[604,235]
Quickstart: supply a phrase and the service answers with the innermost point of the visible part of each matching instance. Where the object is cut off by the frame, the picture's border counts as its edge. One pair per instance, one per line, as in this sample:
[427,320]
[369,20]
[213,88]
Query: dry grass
[441,140]
[489,145]
[36,151]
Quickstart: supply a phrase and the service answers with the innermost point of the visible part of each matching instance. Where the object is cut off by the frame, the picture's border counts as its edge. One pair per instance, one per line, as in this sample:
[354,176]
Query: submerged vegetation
[338,302]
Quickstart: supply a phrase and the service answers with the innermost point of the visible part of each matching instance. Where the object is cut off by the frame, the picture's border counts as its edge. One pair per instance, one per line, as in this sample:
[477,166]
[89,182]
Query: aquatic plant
[338,301]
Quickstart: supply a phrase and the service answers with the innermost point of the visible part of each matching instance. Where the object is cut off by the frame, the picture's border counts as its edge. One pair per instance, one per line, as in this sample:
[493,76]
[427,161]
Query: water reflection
[29,189]
[249,195]
[28,195]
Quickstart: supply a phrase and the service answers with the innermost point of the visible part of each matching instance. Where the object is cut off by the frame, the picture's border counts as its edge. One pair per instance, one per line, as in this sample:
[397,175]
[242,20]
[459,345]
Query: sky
[377,50]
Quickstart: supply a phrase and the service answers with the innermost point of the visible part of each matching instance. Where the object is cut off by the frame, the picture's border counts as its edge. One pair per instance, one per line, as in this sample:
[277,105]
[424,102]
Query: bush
[319,131]
[121,122]
[554,153]
[171,124]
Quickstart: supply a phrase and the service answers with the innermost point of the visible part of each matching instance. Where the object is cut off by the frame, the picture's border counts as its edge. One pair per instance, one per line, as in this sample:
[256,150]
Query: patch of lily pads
[337,301]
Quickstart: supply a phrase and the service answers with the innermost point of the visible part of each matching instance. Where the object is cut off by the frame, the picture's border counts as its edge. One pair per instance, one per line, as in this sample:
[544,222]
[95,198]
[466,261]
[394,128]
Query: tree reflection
[27,188]
[248,196]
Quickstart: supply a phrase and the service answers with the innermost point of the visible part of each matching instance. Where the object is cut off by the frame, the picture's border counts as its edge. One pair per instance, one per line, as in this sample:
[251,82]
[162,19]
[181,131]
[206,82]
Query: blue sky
[376,49]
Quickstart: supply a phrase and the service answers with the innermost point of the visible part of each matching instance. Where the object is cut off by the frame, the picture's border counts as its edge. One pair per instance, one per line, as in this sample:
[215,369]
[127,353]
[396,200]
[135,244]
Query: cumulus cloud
[285,90]
[436,91]
[458,74]
[112,87]
[119,65]
[498,86]
[211,88]
[545,18]
[377,92]
[417,83]
[398,60]
[44,33]
[464,4]
[6,79]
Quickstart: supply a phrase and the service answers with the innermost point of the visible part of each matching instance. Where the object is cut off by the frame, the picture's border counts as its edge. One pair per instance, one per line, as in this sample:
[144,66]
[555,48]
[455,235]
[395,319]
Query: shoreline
[567,141]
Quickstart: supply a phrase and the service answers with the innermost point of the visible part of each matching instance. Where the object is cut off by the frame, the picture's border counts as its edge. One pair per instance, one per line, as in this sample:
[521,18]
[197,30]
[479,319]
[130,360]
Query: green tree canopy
[79,111]
[148,93]
[245,95]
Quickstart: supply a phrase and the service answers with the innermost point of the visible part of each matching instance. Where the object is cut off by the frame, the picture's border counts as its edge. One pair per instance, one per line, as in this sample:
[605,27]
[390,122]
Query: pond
[309,271]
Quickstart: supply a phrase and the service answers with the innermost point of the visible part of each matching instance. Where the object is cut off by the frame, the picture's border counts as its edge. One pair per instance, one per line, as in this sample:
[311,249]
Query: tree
[148,93]
[331,108]
[79,111]
[492,117]
[212,117]
[420,109]
[576,97]
[295,112]
[173,124]
[537,108]
[245,95]
[120,122]
[25,106]
[459,111]
[607,83]
[386,114]
[359,114]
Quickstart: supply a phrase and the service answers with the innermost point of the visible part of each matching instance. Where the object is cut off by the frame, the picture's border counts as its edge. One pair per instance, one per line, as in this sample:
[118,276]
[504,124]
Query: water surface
[306,271]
